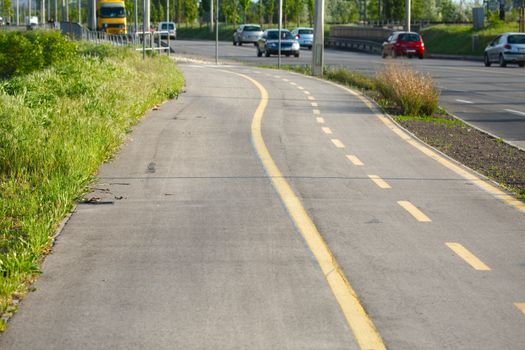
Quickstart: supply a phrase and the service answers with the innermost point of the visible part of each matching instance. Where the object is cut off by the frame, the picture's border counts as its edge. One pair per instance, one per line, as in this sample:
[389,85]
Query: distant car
[247,33]
[305,36]
[404,44]
[269,43]
[506,48]
[169,27]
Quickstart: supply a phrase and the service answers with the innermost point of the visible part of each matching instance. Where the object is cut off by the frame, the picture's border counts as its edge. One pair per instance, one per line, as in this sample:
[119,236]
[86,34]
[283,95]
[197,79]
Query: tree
[191,10]
[297,8]
[310,8]
[269,6]
[245,5]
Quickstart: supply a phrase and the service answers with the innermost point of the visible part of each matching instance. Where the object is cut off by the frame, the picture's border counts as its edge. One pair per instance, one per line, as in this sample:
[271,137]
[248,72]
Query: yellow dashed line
[354,160]
[362,326]
[521,307]
[327,130]
[320,120]
[470,258]
[316,111]
[337,143]
[379,181]
[415,212]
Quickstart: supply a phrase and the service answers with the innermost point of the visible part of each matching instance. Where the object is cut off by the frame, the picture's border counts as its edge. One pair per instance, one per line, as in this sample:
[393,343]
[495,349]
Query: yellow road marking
[362,326]
[320,120]
[314,104]
[311,98]
[354,160]
[337,143]
[316,111]
[379,181]
[484,185]
[306,92]
[470,258]
[292,83]
[300,88]
[415,212]
[520,306]
[327,130]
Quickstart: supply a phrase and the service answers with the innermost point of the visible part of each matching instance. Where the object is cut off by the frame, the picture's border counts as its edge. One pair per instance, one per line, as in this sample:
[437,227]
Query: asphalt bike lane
[414,237]
[200,251]
[184,245]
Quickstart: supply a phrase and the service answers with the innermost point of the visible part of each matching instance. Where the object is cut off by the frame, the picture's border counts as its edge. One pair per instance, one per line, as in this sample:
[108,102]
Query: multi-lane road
[492,99]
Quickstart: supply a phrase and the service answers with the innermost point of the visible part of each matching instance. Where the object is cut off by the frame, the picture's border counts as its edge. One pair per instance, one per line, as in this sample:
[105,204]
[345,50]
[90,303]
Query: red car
[404,44]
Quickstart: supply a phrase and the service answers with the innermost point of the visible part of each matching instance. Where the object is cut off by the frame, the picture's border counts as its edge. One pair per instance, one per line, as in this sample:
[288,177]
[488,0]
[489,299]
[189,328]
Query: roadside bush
[25,52]
[414,93]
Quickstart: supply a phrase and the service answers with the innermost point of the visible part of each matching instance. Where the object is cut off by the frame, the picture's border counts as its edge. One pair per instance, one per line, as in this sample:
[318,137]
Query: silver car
[506,48]
[247,33]
[305,36]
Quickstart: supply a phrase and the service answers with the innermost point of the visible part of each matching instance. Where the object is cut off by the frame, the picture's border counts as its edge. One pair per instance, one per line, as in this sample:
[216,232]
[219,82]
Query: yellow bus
[111,17]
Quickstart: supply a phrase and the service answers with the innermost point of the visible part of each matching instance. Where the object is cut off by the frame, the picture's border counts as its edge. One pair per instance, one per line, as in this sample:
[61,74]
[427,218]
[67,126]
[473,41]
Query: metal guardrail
[354,45]
[147,41]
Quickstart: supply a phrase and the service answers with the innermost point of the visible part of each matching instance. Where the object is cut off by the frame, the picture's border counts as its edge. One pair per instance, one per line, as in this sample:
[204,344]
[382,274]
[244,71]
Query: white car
[305,36]
[506,48]
[169,27]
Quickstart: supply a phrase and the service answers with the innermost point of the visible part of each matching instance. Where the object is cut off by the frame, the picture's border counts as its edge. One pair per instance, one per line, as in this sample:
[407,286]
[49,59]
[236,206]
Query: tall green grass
[57,126]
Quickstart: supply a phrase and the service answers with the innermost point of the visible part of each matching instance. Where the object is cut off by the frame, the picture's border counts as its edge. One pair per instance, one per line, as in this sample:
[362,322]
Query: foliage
[56,126]
[457,39]
[25,52]
[413,92]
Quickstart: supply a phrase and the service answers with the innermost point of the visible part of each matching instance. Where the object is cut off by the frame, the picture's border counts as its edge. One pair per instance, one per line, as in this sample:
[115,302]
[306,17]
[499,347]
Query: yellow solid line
[520,306]
[327,130]
[311,98]
[316,111]
[379,181]
[362,326]
[314,104]
[354,160]
[411,208]
[338,143]
[470,258]
[320,120]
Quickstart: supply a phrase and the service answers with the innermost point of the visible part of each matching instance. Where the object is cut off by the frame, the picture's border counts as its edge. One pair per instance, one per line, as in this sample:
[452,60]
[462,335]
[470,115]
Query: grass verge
[457,39]
[57,125]
[485,154]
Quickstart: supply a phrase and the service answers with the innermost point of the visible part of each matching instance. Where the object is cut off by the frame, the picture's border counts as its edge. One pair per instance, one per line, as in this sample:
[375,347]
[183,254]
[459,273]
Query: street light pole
[280,27]
[216,33]
[318,47]
[407,15]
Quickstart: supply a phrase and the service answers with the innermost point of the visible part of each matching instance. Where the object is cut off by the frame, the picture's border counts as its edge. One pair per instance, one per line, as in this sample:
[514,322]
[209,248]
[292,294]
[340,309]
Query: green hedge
[25,52]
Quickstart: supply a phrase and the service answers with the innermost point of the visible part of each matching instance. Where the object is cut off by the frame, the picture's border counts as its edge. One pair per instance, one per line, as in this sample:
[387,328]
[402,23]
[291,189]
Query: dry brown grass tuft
[415,93]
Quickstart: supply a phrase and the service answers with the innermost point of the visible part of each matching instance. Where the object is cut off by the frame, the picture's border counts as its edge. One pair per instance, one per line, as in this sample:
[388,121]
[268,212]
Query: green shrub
[25,52]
